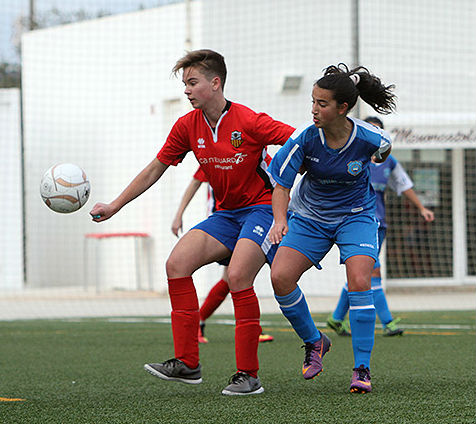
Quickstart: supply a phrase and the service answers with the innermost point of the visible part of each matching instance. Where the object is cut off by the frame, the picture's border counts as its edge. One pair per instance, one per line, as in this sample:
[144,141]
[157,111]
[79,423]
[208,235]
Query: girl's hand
[277,232]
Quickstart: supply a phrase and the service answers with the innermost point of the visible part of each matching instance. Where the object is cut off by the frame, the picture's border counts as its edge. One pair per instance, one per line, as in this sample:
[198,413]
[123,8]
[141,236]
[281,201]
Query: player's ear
[342,108]
[216,83]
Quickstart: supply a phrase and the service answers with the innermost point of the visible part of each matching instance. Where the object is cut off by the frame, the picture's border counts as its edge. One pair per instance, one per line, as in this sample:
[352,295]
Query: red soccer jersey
[200,175]
[232,156]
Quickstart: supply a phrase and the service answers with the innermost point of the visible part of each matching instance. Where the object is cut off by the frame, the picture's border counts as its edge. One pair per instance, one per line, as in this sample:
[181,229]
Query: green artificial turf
[91,371]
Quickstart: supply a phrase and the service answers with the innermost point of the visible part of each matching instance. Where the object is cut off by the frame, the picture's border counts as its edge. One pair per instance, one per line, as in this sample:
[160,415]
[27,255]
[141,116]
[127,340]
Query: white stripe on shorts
[267,245]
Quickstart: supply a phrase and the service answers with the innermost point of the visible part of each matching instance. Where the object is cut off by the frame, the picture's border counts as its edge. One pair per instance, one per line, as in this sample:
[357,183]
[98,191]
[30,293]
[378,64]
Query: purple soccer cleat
[360,382]
[312,365]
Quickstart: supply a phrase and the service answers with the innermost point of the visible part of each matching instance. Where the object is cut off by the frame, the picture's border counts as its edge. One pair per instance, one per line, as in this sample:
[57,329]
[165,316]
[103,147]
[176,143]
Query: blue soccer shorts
[355,235]
[252,222]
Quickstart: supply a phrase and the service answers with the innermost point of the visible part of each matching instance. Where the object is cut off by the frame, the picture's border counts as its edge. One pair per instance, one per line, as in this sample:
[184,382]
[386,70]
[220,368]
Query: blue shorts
[252,222]
[355,235]
[382,232]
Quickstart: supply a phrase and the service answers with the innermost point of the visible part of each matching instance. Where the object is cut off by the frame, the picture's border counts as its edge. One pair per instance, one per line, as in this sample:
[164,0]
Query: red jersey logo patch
[236,139]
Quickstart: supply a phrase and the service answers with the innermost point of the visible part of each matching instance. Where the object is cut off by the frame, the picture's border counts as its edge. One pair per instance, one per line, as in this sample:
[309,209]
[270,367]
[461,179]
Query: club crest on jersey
[236,139]
[354,167]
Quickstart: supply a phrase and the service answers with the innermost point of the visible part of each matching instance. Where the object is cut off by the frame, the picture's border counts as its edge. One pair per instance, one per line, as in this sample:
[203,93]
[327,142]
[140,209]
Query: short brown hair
[210,63]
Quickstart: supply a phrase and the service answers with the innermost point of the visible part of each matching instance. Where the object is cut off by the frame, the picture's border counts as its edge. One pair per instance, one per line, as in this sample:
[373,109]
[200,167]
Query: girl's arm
[280,209]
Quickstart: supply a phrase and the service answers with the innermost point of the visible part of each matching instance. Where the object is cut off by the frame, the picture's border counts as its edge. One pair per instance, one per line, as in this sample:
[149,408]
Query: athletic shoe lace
[310,348]
[172,363]
[239,377]
[363,373]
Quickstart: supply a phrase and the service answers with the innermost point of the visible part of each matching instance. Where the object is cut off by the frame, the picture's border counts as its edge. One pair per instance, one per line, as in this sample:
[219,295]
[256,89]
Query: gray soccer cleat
[243,384]
[175,370]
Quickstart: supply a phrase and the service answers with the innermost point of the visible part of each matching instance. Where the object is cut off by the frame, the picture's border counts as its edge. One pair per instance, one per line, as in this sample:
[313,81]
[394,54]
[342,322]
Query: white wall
[99,94]
[426,48]
[95,94]
[11,222]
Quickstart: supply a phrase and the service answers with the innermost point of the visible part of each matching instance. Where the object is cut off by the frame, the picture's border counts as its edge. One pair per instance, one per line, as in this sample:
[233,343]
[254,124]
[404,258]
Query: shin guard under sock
[185,320]
[362,325]
[247,330]
[295,309]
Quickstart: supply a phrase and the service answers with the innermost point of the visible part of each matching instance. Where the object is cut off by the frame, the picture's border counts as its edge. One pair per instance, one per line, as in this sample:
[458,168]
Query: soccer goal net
[99,93]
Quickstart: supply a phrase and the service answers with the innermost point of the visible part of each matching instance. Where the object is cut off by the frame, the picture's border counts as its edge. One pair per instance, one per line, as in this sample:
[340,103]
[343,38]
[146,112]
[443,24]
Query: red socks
[185,320]
[214,299]
[185,323]
[247,330]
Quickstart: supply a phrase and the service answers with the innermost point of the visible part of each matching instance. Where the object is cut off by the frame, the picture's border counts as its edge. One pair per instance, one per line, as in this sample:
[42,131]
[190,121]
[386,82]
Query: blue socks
[361,315]
[342,305]
[362,325]
[295,309]
[380,301]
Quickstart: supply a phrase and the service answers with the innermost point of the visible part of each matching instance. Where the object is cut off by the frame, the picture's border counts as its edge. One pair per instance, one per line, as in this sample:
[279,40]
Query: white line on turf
[281,324]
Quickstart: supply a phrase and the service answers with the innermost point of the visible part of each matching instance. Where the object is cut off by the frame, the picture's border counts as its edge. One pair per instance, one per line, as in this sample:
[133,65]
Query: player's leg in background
[214,299]
[336,320]
[390,326]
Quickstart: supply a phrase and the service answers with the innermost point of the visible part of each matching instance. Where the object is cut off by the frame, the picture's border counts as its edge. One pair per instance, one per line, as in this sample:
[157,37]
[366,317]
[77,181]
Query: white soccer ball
[65,188]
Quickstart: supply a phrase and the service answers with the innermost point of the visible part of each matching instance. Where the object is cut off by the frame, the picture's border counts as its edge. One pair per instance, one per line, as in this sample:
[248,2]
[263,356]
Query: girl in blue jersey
[333,203]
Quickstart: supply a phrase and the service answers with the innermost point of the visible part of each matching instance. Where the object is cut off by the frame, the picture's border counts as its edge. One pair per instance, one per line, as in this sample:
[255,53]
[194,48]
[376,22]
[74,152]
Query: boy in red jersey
[229,141]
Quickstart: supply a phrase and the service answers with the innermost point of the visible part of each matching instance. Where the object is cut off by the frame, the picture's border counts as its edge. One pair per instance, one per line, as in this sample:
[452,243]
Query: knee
[174,267]
[280,281]
[359,282]
[237,279]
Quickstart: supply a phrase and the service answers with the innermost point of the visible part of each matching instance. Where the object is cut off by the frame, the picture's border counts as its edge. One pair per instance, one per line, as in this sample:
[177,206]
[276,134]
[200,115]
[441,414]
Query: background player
[333,203]
[391,174]
[229,141]
[220,290]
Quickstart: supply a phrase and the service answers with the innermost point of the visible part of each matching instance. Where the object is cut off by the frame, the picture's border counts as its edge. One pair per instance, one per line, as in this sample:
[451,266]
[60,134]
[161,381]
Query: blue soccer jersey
[389,173]
[337,181]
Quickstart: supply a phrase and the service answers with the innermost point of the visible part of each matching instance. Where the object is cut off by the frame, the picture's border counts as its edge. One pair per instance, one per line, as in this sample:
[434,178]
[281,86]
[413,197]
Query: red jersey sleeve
[272,131]
[177,144]
[200,175]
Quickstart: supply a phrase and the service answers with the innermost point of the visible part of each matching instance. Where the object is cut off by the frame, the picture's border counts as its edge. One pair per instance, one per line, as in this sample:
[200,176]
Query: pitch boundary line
[275,324]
